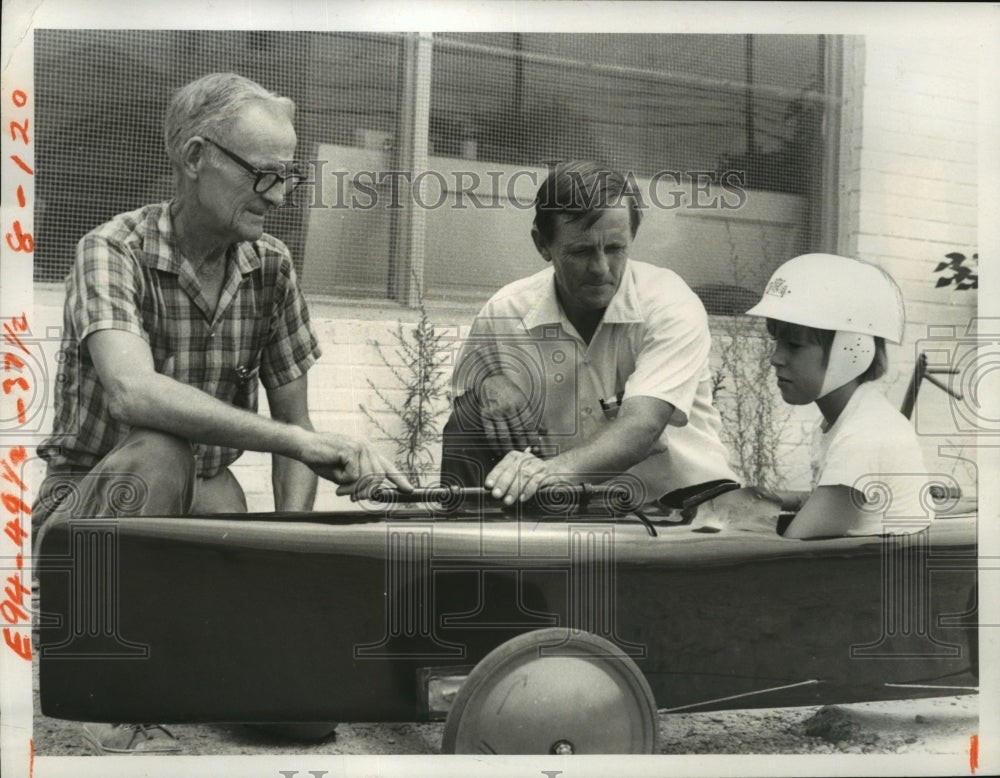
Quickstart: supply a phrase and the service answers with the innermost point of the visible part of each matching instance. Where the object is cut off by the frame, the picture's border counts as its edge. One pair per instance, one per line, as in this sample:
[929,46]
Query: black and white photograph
[503,389]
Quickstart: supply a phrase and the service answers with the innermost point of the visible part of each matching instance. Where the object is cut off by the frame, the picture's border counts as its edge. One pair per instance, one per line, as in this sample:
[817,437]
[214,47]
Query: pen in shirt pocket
[248,373]
[246,384]
[537,447]
[610,409]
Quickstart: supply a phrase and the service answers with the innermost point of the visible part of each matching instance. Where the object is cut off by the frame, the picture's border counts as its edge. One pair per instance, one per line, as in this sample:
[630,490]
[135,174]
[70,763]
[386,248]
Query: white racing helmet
[857,299]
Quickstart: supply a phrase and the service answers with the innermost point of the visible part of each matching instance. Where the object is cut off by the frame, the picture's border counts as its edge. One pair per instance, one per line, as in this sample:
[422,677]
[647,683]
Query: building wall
[908,197]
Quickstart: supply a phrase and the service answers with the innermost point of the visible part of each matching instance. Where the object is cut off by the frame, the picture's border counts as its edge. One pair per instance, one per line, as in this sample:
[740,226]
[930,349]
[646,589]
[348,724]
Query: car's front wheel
[553,691]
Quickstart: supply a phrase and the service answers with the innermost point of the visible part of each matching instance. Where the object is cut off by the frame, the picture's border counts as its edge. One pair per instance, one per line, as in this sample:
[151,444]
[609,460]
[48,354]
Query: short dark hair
[824,338]
[581,189]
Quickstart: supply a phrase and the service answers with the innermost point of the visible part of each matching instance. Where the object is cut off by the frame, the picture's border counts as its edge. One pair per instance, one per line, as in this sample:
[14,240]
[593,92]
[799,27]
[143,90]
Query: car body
[352,616]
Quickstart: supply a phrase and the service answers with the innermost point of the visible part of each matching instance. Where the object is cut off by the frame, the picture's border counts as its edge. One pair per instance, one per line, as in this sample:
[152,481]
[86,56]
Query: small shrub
[743,388]
[743,393]
[416,360]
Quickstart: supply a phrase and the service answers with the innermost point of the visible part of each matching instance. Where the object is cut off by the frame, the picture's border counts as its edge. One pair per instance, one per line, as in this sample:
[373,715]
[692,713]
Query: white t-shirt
[873,448]
[653,341]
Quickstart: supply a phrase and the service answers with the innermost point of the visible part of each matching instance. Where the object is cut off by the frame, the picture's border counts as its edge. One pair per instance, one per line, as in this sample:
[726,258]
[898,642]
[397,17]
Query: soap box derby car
[563,626]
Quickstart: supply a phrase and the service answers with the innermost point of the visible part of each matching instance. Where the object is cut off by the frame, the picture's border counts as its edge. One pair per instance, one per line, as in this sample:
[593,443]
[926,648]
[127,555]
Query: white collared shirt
[874,449]
[653,341]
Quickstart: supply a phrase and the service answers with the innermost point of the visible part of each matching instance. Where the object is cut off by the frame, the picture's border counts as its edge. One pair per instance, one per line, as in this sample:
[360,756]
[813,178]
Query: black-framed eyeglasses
[263,179]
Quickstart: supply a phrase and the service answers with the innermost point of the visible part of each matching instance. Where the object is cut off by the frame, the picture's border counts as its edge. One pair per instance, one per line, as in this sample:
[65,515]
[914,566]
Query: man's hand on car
[506,415]
[353,464]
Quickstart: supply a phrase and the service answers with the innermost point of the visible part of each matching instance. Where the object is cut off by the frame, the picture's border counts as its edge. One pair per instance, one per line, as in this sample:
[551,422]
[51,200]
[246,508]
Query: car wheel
[553,691]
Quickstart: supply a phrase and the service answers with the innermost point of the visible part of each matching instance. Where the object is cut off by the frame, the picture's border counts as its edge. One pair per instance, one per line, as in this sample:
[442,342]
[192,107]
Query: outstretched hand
[354,465]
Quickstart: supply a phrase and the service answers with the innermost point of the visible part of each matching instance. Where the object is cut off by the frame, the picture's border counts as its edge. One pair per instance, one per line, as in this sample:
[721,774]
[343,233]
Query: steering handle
[581,493]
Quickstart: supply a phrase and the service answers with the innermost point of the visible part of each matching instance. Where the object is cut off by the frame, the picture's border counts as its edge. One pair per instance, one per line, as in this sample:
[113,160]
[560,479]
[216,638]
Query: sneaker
[130,739]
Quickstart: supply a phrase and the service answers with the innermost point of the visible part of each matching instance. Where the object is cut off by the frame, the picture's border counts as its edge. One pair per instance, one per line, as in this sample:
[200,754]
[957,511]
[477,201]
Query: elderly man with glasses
[174,313]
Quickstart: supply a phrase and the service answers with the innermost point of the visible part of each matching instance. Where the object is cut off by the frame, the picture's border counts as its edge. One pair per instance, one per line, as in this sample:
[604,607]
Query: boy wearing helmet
[830,317]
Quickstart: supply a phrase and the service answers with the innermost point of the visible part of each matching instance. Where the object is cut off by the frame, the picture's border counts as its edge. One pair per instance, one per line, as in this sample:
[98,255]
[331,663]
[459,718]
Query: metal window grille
[428,150]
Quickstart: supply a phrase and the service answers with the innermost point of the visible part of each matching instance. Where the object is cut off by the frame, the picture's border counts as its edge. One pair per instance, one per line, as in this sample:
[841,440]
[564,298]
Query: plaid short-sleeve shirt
[129,275]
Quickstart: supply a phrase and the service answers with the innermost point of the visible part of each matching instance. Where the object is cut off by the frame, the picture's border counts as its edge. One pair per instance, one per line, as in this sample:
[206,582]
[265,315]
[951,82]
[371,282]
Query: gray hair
[209,105]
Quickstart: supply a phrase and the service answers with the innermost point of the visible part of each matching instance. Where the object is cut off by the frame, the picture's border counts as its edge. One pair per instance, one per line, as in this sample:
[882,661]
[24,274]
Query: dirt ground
[930,726]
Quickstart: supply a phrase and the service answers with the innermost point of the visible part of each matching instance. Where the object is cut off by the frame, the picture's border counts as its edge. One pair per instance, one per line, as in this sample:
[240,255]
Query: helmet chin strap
[850,355]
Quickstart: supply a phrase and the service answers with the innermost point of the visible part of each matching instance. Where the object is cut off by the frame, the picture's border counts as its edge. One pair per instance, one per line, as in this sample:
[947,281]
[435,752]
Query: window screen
[102,95]
[723,134]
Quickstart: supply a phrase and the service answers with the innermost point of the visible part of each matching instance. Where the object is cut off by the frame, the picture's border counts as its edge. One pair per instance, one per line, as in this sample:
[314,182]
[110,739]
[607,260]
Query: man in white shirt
[595,366]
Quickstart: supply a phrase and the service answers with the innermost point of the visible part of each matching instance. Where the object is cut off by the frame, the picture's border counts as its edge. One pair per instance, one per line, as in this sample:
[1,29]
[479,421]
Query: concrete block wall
[909,196]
